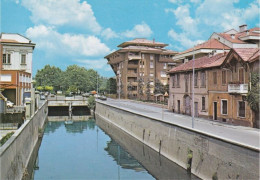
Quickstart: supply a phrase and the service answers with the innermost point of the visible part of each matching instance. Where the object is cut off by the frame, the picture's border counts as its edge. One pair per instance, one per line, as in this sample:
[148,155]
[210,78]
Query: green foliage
[91,102]
[253,94]
[40,88]
[49,76]
[83,79]
[148,89]
[48,88]
[111,85]
[73,89]
[159,87]
[5,138]
[140,87]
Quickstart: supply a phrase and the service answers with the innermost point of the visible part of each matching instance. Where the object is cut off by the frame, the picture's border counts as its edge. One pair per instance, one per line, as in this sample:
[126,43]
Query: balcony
[132,66]
[165,59]
[132,74]
[134,83]
[134,56]
[238,88]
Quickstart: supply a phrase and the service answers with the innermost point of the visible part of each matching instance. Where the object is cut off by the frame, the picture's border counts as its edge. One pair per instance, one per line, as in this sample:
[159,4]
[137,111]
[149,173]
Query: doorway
[196,113]
[179,106]
[215,111]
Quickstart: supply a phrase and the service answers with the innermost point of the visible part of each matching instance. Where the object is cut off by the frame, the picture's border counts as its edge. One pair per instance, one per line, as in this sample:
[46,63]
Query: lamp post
[193,73]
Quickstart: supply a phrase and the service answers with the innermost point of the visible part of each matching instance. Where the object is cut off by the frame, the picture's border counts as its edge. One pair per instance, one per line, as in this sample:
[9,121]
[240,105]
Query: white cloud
[139,30]
[223,15]
[48,39]
[183,39]
[175,1]
[94,64]
[195,1]
[63,12]
[108,33]
[185,21]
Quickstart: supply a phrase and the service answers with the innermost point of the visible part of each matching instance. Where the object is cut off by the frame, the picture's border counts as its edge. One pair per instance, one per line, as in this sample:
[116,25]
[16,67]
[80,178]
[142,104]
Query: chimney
[153,40]
[232,36]
[247,32]
[242,28]
[185,61]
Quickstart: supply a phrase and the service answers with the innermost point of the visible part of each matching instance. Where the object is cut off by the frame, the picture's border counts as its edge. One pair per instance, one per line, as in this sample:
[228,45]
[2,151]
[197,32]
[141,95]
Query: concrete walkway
[240,135]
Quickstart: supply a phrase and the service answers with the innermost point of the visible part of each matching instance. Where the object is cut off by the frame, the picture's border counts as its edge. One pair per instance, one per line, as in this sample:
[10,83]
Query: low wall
[211,157]
[16,152]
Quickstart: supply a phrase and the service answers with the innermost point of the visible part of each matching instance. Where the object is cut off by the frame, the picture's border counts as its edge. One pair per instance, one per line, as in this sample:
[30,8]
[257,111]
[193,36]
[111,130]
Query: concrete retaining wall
[210,156]
[16,152]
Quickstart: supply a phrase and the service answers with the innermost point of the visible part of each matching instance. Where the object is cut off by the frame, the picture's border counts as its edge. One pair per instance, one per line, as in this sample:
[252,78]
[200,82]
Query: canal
[94,149]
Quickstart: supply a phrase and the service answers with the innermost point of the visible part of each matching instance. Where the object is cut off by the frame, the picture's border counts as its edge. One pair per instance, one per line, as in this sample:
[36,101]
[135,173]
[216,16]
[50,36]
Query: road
[245,136]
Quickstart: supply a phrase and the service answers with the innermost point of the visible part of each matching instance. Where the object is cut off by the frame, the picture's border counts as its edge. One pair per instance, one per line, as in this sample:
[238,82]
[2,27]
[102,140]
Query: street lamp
[193,73]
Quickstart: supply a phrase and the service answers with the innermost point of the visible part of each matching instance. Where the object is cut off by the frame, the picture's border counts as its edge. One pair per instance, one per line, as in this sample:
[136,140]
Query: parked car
[102,98]
[42,97]
[9,104]
[86,95]
[52,95]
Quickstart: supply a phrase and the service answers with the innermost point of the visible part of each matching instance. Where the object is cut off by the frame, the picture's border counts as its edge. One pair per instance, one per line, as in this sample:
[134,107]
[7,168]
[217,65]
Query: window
[23,59]
[224,107]
[203,103]
[215,81]
[203,79]
[165,66]
[173,81]
[6,58]
[241,109]
[178,80]
[196,79]
[151,57]
[241,75]
[151,74]
[224,77]
[163,74]
[151,64]
[143,56]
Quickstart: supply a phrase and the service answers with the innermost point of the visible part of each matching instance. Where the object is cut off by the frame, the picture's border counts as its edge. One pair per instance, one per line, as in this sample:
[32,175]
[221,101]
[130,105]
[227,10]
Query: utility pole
[193,73]
[97,83]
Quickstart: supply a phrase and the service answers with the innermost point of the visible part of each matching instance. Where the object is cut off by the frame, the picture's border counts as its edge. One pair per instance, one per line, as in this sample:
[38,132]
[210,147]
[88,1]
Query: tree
[148,89]
[49,76]
[253,94]
[111,85]
[140,87]
[40,88]
[91,102]
[159,87]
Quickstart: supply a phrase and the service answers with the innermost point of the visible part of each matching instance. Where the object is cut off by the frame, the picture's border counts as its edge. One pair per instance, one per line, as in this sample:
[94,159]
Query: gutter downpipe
[193,73]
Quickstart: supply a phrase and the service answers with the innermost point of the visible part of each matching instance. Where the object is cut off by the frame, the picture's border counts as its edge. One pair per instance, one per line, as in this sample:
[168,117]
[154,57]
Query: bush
[5,138]
[91,102]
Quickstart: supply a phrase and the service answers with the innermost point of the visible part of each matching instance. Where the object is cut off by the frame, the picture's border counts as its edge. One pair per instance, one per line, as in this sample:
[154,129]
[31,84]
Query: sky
[83,32]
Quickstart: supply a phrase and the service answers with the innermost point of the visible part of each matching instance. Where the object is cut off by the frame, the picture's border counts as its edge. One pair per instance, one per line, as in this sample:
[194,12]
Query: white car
[9,104]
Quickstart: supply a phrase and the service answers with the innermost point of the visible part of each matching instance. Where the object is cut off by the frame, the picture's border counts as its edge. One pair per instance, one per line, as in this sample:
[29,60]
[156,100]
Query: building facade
[140,65]
[229,85]
[16,66]
[221,85]
[180,86]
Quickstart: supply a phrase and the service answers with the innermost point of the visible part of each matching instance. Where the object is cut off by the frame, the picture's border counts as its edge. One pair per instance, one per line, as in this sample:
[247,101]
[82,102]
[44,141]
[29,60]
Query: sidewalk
[240,135]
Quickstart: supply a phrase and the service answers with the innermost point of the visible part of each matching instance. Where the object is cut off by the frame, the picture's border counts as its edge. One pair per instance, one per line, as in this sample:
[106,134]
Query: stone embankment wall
[209,157]
[16,152]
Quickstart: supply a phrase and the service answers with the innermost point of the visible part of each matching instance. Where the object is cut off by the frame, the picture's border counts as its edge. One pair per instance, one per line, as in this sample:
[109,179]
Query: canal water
[94,149]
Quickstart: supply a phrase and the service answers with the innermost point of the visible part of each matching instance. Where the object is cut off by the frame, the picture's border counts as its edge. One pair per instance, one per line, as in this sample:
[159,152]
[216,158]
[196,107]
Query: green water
[84,151]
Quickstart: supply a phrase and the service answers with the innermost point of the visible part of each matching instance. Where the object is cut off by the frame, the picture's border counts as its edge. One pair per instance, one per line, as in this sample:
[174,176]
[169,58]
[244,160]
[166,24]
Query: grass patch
[5,138]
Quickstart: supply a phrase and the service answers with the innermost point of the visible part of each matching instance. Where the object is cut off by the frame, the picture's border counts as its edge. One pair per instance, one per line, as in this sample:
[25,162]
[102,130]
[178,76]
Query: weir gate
[75,108]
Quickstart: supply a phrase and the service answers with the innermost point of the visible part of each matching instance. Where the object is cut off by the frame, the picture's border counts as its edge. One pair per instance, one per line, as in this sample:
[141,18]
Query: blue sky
[83,32]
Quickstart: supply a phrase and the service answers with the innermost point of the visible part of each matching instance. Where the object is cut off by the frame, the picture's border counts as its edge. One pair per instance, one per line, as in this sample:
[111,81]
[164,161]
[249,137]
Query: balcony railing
[238,88]
[134,56]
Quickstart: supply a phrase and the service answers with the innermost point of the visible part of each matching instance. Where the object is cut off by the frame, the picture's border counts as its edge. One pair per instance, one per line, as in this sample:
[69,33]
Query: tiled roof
[200,63]
[248,54]
[8,41]
[142,41]
[145,48]
[237,36]
[210,44]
